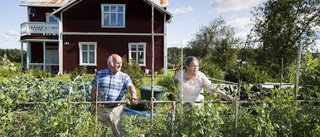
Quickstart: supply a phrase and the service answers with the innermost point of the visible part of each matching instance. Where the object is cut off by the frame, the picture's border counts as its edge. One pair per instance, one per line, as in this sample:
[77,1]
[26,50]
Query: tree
[216,41]
[14,55]
[279,24]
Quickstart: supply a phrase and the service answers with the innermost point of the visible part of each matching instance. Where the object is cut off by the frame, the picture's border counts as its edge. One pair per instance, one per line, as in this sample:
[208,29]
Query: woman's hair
[189,60]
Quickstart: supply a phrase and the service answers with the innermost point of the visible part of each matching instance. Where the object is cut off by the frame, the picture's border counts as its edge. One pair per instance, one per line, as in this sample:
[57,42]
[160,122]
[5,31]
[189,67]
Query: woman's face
[193,67]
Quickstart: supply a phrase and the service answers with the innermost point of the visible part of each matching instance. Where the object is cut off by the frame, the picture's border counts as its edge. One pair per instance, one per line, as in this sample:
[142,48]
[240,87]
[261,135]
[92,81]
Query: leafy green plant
[170,84]
[133,69]
[310,78]
[210,69]
[78,71]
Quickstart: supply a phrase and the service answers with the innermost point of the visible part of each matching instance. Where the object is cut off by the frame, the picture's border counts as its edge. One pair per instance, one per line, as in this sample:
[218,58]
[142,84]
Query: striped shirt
[111,87]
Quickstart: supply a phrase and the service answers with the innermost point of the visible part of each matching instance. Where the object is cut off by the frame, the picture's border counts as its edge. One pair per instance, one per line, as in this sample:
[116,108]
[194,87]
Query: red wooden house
[63,34]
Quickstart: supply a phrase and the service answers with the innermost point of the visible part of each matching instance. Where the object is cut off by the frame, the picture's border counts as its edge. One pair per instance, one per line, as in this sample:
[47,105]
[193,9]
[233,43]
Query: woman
[192,82]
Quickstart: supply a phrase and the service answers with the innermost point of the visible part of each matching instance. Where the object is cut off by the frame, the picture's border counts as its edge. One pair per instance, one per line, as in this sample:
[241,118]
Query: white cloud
[10,39]
[181,10]
[241,26]
[233,5]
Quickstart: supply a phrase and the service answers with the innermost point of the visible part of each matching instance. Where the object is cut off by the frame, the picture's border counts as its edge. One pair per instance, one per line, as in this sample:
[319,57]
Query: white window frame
[47,18]
[144,53]
[103,12]
[88,50]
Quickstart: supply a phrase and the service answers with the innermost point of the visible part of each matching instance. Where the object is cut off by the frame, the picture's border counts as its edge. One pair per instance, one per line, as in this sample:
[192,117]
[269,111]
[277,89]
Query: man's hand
[134,101]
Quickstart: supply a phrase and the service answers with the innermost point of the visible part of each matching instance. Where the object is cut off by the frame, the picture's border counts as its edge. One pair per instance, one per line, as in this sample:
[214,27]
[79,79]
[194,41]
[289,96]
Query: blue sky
[188,17]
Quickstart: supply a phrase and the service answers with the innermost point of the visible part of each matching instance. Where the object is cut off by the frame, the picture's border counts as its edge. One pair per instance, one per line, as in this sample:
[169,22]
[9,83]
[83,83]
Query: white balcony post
[28,54]
[21,55]
[43,28]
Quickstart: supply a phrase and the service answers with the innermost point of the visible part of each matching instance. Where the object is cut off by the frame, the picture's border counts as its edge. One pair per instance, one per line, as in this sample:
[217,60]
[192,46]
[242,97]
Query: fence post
[173,117]
[296,81]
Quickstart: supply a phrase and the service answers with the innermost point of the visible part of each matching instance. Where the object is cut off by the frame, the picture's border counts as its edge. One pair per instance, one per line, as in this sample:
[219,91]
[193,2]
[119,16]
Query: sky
[188,17]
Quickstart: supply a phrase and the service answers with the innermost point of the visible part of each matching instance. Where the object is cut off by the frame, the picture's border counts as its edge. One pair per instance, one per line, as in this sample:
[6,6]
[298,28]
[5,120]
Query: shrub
[133,70]
[310,78]
[210,69]
[252,74]
[36,72]
[170,84]
[78,71]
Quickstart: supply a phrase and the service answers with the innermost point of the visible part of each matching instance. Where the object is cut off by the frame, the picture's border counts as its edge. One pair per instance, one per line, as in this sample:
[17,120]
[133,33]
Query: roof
[63,4]
[44,3]
[59,3]
[161,3]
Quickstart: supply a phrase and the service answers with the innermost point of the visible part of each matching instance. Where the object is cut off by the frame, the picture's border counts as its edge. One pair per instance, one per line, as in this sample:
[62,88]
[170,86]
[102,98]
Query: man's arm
[132,90]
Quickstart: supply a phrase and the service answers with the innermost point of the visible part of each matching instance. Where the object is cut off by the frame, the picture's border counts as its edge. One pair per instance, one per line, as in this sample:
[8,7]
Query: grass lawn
[146,80]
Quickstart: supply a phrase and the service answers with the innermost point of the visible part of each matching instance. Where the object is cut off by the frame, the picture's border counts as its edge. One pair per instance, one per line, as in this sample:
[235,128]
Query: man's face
[117,64]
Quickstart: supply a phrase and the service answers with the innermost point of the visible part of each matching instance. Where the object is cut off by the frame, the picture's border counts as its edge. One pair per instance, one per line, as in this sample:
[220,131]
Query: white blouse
[190,90]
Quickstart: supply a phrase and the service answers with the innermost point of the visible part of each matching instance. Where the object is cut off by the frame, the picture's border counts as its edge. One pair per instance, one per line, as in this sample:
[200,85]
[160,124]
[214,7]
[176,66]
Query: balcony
[43,28]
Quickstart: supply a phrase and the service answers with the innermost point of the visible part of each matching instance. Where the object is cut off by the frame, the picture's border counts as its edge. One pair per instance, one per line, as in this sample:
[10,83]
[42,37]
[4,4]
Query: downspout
[165,43]
[60,37]
[44,55]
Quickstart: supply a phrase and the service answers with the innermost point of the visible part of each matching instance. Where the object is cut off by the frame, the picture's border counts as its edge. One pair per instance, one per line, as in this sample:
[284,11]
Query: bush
[133,70]
[310,78]
[252,74]
[210,69]
[78,71]
[37,72]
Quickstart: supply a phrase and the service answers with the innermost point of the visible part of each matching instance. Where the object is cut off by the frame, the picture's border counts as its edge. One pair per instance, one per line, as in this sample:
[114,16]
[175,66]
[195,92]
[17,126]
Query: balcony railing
[43,28]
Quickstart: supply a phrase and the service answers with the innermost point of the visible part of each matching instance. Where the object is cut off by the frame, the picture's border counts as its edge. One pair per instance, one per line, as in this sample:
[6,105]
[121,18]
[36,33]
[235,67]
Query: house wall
[40,15]
[107,45]
[37,51]
[86,17]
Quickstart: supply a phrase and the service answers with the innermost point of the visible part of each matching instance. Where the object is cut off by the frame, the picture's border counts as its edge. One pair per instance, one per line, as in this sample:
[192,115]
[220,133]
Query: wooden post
[96,106]
[152,73]
[296,81]
[236,107]
[281,72]
[173,117]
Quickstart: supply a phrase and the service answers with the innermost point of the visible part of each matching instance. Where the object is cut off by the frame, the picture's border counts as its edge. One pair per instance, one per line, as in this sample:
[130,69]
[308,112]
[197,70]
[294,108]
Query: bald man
[112,86]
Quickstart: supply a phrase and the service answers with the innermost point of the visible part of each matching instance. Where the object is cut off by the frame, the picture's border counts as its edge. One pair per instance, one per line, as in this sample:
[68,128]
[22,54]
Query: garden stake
[96,111]
[173,117]
[70,90]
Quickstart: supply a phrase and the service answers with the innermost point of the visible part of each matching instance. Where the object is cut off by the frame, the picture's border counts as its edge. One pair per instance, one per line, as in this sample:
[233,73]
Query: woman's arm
[224,95]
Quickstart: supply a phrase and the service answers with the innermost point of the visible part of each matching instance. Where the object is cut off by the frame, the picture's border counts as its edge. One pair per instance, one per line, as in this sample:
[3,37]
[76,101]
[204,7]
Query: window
[137,52]
[50,18]
[88,53]
[113,15]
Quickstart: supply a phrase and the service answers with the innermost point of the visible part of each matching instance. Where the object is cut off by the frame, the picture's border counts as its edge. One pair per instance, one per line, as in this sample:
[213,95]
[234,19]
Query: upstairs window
[51,19]
[113,15]
[88,53]
[137,52]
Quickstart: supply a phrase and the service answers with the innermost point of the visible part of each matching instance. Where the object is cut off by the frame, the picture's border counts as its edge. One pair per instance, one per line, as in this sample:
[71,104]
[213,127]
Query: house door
[52,55]
[52,59]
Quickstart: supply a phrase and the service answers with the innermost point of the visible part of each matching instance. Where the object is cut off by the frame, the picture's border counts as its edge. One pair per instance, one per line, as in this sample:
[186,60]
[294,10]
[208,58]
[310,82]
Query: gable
[159,5]
[45,3]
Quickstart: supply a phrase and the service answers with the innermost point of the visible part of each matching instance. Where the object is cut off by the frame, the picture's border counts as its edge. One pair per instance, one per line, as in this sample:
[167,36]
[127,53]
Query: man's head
[115,63]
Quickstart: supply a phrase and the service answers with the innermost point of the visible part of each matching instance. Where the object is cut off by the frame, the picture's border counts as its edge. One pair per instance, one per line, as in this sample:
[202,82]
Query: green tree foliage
[210,69]
[174,57]
[14,55]
[310,78]
[217,41]
[279,24]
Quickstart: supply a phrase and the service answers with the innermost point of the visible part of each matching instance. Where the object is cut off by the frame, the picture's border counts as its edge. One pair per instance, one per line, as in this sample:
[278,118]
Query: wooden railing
[43,28]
